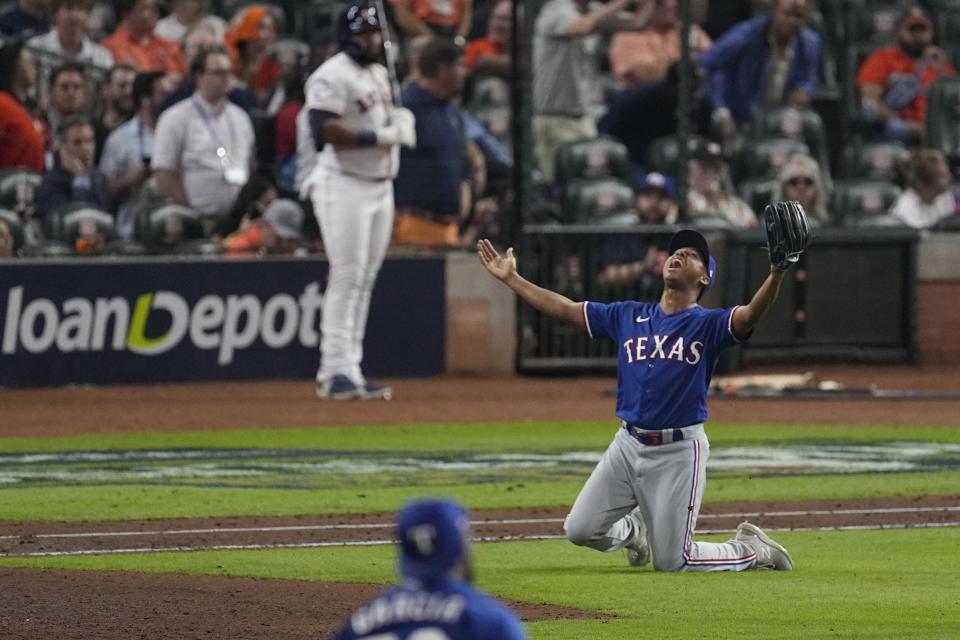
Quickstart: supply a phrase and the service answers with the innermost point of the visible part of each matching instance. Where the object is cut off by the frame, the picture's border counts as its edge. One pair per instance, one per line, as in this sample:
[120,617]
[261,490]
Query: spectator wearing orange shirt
[21,144]
[490,55]
[449,18]
[893,80]
[135,42]
[644,56]
[249,37]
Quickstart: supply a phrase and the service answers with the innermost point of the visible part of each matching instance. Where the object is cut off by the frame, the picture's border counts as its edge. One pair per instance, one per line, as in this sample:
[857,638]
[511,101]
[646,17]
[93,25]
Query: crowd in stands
[758,88]
[848,107]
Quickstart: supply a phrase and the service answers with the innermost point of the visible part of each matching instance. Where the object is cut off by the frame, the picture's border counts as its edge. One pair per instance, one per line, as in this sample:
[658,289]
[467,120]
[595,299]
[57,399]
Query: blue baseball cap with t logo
[433,536]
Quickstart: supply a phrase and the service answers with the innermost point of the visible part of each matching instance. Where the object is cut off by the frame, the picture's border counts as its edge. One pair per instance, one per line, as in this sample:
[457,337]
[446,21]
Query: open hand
[500,267]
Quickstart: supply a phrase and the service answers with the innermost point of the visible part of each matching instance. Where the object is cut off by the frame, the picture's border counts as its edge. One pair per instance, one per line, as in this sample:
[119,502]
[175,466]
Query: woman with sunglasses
[800,180]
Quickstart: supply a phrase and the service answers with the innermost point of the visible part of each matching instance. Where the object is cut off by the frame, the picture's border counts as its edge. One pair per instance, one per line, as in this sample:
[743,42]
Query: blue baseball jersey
[447,609]
[665,360]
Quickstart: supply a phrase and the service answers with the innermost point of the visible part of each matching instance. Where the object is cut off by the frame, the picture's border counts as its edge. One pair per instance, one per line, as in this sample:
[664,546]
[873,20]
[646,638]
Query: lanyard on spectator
[143,145]
[221,148]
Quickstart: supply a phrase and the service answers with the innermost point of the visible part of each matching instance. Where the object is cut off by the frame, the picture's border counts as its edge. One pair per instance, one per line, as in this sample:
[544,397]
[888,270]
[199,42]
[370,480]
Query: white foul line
[343,527]
[371,543]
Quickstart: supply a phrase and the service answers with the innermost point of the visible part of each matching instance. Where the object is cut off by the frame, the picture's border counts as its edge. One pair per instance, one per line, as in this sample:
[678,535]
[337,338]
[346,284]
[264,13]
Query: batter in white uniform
[358,134]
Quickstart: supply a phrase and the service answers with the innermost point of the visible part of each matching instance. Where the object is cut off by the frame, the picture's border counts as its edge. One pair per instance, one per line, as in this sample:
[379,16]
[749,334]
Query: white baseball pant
[356,220]
[667,482]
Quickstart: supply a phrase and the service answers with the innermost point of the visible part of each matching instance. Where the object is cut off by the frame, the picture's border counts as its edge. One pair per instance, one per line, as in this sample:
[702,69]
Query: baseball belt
[655,437]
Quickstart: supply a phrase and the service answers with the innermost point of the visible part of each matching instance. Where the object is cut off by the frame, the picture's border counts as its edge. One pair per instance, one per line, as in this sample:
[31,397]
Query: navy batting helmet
[357,18]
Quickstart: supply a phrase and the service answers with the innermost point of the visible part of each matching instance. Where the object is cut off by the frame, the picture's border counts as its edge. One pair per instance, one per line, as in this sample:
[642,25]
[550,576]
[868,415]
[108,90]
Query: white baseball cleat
[638,549]
[770,555]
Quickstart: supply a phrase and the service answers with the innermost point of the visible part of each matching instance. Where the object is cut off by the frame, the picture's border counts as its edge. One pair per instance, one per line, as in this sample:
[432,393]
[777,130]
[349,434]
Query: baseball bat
[389,53]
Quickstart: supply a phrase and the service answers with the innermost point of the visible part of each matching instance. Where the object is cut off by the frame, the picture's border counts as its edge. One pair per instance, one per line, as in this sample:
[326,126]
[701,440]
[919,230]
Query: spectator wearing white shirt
[186,15]
[204,146]
[128,152]
[930,196]
[68,40]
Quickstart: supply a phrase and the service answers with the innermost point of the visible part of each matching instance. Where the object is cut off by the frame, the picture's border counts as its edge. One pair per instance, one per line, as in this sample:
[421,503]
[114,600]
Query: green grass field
[851,584]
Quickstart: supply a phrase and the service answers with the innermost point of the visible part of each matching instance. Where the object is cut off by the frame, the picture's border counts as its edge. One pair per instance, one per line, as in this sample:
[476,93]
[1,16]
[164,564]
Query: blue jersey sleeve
[602,319]
[721,329]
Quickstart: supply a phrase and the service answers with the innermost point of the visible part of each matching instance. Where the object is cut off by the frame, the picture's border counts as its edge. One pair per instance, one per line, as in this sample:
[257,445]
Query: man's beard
[913,50]
[362,54]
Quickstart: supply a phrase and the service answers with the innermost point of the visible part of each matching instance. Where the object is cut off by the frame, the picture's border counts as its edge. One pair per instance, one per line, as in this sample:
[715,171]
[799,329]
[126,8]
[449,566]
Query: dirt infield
[82,605]
[68,605]
[277,404]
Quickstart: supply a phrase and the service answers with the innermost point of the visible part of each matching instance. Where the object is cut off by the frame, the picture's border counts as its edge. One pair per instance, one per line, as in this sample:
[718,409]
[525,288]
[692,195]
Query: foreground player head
[689,265]
[358,33]
[434,539]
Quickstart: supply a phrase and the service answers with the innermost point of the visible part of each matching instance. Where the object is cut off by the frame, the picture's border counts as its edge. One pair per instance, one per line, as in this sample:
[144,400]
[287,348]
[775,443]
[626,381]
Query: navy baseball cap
[433,537]
[695,240]
[655,180]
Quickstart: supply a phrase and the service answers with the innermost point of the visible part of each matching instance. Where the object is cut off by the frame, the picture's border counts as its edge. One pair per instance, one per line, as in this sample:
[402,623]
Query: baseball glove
[787,233]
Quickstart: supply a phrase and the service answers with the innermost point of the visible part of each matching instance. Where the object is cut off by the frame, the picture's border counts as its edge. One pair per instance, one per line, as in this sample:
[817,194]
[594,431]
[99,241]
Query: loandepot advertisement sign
[105,322]
[225,324]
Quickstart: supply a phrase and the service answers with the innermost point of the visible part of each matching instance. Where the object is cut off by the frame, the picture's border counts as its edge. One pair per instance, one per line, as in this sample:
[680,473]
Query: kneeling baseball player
[645,493]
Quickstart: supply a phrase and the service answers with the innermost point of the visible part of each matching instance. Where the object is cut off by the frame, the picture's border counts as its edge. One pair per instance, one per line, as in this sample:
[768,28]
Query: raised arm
[504,269]
[746,317]
[595,20]
[788,234]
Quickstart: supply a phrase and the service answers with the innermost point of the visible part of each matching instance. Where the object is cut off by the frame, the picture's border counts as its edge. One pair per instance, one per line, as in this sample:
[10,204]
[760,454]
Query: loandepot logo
[225,324]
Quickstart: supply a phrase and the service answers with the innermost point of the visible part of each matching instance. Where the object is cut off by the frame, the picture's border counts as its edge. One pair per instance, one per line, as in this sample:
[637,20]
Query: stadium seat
[873,22]
[850,96]
[827,85]
[943,117]
[940,6]
[854,200]
[199,247]
[48,249]
[18,189]
[317,17]
[757,192]
[663,154]
[884,220]
[708,221]
[874,160]
[828,22]
[587,201]
[804,125]
[163,227]
[622,218]
[70,222]
[599,157]
[765,157]
[125,248]
[293,55]
[12,220]
[951,224]
[948,27]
